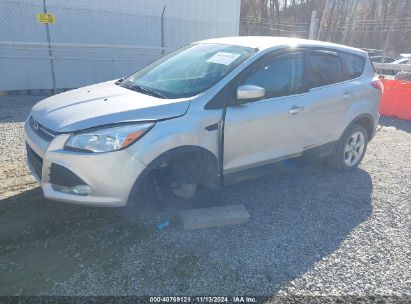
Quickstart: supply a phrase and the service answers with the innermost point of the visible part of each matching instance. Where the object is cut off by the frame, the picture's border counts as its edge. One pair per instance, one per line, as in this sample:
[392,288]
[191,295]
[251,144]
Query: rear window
[353,65]
[324,68]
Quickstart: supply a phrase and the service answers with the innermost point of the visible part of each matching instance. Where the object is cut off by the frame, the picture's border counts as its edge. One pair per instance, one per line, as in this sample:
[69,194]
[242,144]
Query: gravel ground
[312,232]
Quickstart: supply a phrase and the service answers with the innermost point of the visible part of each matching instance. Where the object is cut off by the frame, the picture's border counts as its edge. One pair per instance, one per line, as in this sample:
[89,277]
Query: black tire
[339,159]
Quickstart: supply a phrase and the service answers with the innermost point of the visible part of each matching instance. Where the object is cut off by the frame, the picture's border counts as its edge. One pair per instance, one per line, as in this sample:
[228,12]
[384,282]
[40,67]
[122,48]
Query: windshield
[188,71]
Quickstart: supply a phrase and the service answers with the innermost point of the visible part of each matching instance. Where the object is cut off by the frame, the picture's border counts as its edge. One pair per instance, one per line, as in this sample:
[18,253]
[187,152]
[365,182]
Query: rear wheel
[350,149]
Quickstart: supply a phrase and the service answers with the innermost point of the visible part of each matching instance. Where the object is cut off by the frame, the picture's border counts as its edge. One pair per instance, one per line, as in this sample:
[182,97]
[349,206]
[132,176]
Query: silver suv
[211,113]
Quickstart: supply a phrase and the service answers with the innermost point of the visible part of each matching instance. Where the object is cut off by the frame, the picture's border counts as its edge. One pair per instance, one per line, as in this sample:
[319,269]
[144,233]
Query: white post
[311,36]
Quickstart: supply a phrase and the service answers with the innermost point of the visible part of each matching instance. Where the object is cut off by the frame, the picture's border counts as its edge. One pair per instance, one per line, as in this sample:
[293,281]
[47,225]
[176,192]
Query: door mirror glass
[247,92]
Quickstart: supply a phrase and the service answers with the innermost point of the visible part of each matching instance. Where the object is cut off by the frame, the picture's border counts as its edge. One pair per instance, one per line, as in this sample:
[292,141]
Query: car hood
[102,104]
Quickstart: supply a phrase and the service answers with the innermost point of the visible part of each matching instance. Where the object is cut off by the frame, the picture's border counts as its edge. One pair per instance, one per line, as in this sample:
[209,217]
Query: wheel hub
[354,149]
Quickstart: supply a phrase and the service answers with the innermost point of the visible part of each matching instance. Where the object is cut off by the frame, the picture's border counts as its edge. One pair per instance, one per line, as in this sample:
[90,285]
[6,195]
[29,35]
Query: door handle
[295,109]
[347,95]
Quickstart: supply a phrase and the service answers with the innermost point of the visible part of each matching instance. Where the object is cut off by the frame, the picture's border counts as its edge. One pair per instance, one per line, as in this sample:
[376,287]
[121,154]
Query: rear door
[327,98]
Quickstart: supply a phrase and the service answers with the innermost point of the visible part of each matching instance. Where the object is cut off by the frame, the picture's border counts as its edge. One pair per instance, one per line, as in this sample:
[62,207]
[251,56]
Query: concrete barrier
[396,99]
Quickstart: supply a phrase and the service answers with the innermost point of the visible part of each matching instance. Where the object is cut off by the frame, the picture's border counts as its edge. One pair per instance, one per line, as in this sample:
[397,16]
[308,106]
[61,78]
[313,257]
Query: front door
[268,129]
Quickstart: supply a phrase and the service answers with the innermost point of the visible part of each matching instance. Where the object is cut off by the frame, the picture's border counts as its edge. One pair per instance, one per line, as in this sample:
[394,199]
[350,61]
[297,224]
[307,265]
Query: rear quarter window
[353,65]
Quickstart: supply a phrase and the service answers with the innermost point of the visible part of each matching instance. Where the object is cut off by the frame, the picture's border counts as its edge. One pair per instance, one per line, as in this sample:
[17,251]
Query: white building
[97,40]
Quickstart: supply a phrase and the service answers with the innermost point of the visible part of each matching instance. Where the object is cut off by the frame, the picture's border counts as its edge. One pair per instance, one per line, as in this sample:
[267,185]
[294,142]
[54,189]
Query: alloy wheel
[354,148]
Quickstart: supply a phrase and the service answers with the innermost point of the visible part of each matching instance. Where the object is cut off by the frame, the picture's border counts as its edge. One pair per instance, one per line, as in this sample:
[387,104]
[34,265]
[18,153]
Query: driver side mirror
[249,92]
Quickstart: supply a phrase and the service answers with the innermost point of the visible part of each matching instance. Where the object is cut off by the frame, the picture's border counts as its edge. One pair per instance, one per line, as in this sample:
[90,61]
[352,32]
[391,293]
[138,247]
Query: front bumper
[110,176]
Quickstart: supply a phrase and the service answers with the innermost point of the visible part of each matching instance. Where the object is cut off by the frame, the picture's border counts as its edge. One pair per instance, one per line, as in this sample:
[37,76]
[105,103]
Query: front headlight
[109,138]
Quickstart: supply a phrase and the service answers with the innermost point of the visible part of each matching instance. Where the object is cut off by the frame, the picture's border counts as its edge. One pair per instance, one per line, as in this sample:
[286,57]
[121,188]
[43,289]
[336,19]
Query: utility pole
[313,26]
[53,74]
[386,43]
[162,30]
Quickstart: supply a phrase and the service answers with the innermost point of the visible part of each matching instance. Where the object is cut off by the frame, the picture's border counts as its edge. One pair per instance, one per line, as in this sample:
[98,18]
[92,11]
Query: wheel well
[367,122]
[209,168]
[189,159]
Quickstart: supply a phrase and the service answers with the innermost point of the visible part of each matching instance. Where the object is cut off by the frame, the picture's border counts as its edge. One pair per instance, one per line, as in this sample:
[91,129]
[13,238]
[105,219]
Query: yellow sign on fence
[46,18]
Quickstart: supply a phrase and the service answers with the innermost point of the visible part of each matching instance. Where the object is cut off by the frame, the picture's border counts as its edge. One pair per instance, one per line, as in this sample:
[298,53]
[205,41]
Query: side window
[324,68]
[353,65]
[282,76]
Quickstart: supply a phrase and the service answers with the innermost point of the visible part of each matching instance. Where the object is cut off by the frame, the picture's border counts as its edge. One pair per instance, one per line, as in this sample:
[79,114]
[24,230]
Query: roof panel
[265,42]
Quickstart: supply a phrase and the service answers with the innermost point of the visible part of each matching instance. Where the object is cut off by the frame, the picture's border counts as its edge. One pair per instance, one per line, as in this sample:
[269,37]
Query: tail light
[377,84]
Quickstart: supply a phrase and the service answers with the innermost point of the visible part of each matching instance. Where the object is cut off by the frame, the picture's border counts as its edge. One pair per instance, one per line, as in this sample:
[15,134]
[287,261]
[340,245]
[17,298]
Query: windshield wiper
[149,91]
[141,89]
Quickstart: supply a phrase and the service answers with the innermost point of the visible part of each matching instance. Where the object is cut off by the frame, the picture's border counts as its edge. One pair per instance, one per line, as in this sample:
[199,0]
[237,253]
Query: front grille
[35,160]
[41,130]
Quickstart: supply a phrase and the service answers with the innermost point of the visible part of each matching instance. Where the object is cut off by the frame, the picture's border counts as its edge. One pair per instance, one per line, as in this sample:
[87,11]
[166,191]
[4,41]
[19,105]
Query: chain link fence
[269,27]
[89,42]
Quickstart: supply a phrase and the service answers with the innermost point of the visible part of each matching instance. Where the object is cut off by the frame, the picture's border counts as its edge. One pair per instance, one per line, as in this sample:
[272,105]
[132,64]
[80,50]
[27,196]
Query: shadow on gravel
[404,125]
[43,241]
[297,218]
